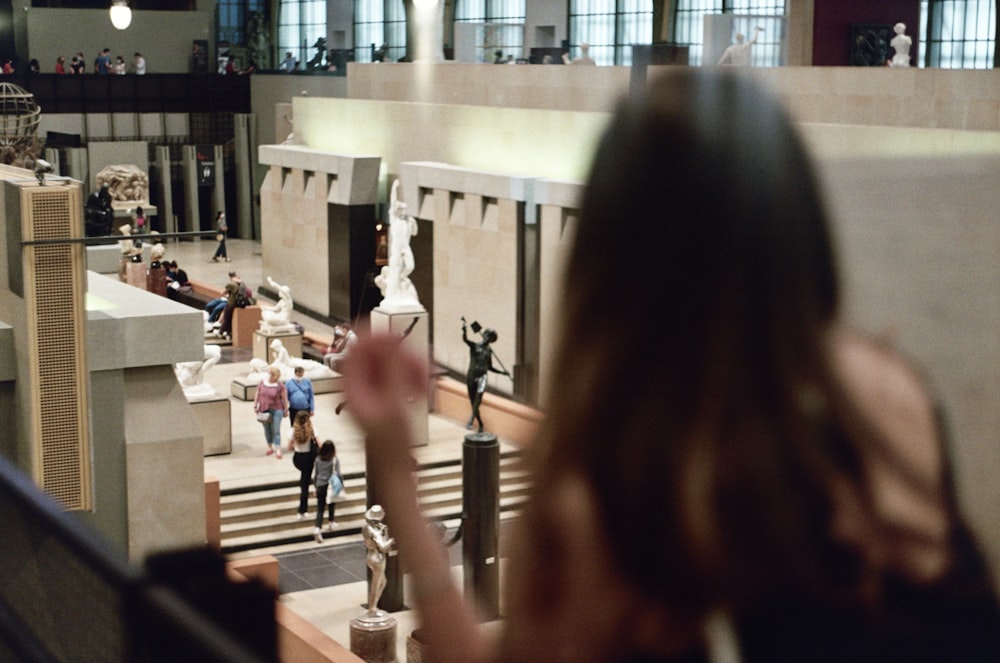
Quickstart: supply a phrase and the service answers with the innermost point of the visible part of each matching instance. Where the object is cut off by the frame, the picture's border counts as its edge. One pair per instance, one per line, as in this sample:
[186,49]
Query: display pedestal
[156,281]
[374,638]
[246,390]
[135,274]
[215,423]
[262,344]
[416,325]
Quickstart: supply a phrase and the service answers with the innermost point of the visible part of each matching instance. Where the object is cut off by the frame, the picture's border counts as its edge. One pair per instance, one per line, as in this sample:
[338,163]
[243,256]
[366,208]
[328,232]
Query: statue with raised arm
[738,53]
[901,44]
[277,319]
[480,363]
[393,281]
[379,545]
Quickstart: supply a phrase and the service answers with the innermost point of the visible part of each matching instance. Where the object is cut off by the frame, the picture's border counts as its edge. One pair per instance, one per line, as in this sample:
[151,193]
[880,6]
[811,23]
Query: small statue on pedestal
[398,291]
[901,44]
[191,374]
[480,363]
[379,545]
[373,634]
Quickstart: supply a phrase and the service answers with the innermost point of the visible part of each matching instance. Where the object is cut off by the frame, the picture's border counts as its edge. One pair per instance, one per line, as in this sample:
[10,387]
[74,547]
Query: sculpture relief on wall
[126,183]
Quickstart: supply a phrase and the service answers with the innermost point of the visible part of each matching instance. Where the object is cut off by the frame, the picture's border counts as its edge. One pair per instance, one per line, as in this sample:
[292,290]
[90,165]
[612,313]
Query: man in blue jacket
[300,394]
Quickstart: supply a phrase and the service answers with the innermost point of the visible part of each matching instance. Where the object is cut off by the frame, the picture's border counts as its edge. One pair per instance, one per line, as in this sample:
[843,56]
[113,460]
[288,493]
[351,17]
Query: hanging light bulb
[121,15]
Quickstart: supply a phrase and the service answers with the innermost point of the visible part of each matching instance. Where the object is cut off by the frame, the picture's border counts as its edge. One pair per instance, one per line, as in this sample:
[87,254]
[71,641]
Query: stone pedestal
[416,650]
[417,339]
[156,281]
[246,390]
[262,344]
[215,423]
[135,274]
[374,638]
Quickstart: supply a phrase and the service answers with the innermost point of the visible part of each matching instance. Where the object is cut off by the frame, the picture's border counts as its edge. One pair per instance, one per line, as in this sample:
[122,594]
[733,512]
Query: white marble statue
[191,375]
[901,44]
[738,53]
[398,291]
[277,319]
[129,247]
[286,363]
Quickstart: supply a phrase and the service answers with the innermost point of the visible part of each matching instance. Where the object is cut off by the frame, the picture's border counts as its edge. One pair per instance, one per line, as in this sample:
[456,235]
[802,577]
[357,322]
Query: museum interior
[142,519]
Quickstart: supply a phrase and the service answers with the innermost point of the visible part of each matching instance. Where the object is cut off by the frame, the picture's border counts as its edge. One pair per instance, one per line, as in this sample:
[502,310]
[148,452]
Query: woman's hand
[382,379]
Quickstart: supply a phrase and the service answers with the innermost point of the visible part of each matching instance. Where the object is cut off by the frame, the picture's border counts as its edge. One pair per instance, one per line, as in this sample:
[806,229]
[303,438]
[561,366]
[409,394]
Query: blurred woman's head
[702,283]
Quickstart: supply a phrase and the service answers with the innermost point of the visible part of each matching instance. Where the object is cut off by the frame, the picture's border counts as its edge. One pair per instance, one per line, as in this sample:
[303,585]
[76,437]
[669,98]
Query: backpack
[243,298]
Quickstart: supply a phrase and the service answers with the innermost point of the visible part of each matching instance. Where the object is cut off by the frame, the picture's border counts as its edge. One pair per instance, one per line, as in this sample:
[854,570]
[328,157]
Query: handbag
[219,237]
[336,493]
[313,446]
[264,416]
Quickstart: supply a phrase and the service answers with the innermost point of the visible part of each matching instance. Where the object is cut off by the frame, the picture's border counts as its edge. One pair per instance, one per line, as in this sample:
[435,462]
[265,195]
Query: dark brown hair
[701,286]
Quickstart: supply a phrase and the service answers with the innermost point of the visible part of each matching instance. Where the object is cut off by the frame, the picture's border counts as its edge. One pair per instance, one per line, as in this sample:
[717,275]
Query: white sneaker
[330,526]
[300,516]
[318,535]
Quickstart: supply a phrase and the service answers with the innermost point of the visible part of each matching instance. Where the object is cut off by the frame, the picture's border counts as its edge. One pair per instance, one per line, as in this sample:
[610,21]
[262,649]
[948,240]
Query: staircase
[264,516]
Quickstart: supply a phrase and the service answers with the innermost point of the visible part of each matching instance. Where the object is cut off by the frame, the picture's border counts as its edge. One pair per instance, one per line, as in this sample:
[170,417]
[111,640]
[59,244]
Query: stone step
[264,516]
[300,531]
[282,516]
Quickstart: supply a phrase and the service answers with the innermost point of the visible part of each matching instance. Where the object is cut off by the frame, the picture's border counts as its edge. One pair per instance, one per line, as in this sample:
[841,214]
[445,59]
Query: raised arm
[381,377]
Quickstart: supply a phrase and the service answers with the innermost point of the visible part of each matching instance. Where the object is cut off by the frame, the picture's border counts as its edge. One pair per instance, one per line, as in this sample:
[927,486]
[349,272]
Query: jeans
[215,308]
[321,503]
[272,429]
[220,252]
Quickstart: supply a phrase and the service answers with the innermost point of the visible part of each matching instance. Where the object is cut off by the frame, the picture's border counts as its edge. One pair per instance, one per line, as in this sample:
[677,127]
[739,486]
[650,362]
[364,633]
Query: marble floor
[323,583]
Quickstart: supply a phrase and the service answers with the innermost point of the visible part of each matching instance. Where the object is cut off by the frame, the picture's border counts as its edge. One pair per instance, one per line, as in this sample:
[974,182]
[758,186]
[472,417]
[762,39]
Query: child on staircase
[327,478]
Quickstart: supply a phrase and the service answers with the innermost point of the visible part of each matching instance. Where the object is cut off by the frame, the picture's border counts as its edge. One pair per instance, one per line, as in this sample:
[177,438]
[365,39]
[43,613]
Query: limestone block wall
[558,213]
[477,221]
[550,88]
[295,196]
[896,97]
[875,96]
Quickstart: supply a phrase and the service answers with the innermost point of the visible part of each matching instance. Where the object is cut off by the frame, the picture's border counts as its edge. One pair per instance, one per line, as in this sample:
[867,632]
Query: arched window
[378,24]
[231,17]
[958,34]
[611,27]
[509,41]
[689,26]
[300,24]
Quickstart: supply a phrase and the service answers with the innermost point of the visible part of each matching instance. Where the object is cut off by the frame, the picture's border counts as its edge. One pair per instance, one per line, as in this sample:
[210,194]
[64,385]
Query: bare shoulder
[904,456]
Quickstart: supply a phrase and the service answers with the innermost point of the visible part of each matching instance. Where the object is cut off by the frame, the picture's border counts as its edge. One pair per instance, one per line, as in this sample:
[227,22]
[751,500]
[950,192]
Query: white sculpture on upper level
[398,291]
[286,363]
[277,319]
[738,53]
[901,44]
[191,375]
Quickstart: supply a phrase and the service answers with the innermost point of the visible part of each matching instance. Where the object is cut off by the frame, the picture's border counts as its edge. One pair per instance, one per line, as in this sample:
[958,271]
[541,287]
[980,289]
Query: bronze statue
[480,363]
[98,215]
